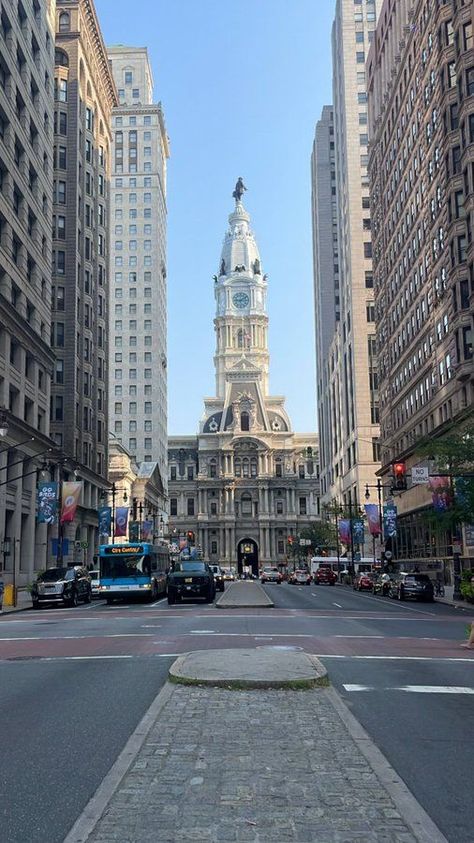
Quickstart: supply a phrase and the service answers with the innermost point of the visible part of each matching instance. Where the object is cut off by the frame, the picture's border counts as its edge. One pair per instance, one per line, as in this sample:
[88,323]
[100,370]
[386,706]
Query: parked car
[300,577]
[381,585]
[419,586]
[271,575]
[218,577]
[325,576]
[190,579]
[363,581]
[95,583]
[62,585]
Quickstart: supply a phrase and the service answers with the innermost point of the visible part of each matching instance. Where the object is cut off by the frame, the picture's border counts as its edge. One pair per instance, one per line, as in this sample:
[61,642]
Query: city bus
[366,563]
[133,570]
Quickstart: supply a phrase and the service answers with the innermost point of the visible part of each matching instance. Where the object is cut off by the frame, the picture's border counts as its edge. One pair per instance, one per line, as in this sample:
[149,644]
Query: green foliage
[467,588]
[322,536]
[453,455]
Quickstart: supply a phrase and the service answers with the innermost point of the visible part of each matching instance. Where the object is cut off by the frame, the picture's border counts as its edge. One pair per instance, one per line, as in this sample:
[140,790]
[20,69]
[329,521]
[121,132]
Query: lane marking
[203,632]
[415,689]
[338,605]
[365,636]
[157,602]
[397,658]
[400,604]
[80,637]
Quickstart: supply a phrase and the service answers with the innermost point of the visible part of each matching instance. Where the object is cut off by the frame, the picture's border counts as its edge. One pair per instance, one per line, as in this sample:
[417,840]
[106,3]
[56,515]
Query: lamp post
[336,510]
[379,488]
[114,491]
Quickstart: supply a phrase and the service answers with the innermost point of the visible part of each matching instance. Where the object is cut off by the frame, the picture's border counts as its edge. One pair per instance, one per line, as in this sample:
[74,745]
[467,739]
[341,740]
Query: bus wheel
[109,600]
[171,599]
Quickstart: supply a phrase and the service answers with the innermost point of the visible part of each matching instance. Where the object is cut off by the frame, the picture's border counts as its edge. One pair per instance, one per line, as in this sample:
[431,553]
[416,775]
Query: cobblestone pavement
[273,766]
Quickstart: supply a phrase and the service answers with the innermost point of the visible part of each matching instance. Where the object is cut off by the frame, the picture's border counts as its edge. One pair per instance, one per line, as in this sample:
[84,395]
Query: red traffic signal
[190,536]
[399,476]
[290,539]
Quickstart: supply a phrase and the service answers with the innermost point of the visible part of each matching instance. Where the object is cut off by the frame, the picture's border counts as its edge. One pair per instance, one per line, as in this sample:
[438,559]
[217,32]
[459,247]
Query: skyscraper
[421,105]
[26,359]
[349,404]
[138,314]
[84,97]
[247,482]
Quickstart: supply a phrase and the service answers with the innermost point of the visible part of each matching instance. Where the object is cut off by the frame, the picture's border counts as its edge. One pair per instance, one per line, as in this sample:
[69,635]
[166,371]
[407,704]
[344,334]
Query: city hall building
[246,481]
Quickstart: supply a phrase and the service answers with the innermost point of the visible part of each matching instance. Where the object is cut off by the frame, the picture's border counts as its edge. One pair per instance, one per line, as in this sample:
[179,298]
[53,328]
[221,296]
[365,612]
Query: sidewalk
[226,765]
[244,594]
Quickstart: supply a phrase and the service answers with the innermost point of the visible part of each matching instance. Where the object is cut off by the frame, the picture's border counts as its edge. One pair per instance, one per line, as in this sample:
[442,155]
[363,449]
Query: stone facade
[84,97]
[138,312]
[26,359]
[421,108]
[246,481]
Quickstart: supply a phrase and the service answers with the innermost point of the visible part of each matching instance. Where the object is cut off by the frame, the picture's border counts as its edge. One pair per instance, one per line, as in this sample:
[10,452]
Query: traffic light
[190,536]
[290,540]
[399,476]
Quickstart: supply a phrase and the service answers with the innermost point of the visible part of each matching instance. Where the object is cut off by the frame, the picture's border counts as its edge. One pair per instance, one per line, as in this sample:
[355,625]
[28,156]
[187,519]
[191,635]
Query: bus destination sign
[124,548]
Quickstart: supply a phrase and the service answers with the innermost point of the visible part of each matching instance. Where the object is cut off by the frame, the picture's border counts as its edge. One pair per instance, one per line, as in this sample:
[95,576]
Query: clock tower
[241,323]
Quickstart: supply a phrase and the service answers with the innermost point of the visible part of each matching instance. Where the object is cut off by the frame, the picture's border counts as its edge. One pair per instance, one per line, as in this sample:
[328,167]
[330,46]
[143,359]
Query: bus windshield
[135,565]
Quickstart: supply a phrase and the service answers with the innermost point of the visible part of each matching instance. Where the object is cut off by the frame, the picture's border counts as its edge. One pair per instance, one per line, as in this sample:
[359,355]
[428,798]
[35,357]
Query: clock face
[240,299]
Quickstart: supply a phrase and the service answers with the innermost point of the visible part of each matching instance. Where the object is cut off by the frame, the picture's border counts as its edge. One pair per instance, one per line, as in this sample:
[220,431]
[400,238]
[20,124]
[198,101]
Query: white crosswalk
[415,689]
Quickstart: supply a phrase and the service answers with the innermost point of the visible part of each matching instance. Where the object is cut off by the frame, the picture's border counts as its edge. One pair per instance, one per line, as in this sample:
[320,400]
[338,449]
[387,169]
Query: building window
[244,421]
[173,473]
[303,506]
[246,503]
[190,506]
[190,472]
[173,506]
[128,77]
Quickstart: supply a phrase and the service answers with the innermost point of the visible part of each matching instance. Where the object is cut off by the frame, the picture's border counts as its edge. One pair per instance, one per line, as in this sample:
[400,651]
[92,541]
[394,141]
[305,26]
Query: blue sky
[242,85]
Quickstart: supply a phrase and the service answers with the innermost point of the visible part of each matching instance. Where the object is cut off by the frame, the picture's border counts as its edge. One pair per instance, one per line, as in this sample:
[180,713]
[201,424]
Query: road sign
[457,548]
[84,545]
[419,475]
[388,554]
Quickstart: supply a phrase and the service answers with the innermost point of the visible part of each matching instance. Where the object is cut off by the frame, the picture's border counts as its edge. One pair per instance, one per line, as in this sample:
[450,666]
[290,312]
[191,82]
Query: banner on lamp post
[70,495]
[373,519]
[121,520]
[47,502]
[441,493]
[345,530]
[147,531]
[389,521]
[358,531]
[105,520]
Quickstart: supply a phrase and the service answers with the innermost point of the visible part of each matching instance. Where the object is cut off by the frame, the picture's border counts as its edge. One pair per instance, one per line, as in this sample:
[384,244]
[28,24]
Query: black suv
[406,585]
[191,579]
[62,585]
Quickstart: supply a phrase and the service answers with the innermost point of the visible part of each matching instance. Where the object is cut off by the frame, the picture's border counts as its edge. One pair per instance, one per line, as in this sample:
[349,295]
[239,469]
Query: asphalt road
[74,683]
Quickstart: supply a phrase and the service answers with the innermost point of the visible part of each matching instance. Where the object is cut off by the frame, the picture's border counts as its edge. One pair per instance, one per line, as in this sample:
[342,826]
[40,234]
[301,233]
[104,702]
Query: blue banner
[358,531]
[105,520]
[389,521]
[47,502]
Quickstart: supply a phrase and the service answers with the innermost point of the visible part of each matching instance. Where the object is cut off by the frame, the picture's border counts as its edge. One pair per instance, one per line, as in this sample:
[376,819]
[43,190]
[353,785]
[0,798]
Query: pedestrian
[469,644]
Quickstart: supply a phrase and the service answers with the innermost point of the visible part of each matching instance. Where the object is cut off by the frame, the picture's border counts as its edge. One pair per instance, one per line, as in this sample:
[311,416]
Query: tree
[322,536]
[452,456]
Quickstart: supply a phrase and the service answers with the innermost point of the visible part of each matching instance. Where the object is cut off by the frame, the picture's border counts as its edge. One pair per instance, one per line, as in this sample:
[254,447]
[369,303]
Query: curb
[319,680]
[424,829]
[269,605]
[90,816]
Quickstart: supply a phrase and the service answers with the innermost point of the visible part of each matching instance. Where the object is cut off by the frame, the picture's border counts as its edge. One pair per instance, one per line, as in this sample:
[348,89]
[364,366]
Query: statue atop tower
[239,189]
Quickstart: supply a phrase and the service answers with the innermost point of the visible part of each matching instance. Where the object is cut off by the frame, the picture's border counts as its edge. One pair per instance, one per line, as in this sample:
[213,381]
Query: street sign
[388,554]
[457,548]
[84,545]
[419,475]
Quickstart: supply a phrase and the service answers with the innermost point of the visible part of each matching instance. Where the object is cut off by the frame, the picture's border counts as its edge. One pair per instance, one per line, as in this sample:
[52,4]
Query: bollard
[2,588]
[9,595]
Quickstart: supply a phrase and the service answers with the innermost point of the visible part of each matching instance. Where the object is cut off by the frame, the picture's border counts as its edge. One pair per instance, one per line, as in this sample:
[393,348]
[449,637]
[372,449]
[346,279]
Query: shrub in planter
[467,586]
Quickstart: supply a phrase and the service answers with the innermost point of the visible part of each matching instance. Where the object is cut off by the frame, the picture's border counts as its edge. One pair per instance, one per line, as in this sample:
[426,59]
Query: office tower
[421,107]
[84,97]
[138,314]
[26,359]
[326,286]
[348,379]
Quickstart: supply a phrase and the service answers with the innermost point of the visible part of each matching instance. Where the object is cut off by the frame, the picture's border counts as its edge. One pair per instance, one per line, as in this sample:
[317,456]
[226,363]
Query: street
[74,683]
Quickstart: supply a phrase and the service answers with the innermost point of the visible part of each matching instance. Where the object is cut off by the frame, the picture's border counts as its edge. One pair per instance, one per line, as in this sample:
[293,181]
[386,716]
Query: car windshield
[417,578]
[55,574]
[190,566]
[271,570]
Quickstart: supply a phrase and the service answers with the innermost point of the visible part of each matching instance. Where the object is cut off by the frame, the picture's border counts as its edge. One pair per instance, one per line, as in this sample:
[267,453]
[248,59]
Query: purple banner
[121,521]
[345,531]
[373,519]
[441,493]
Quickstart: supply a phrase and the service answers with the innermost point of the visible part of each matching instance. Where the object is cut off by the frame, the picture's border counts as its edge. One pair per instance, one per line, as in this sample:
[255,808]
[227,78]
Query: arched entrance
[247,556]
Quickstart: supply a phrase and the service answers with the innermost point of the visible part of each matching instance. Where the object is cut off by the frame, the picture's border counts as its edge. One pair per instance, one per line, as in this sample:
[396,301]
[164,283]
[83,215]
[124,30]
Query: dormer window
[244,421]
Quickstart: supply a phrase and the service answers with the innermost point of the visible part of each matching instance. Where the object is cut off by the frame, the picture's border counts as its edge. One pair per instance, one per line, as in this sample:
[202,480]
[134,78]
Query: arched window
[244,421]
[253,467]
[64,22]
[246,501]
[245,467]
[61,59]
